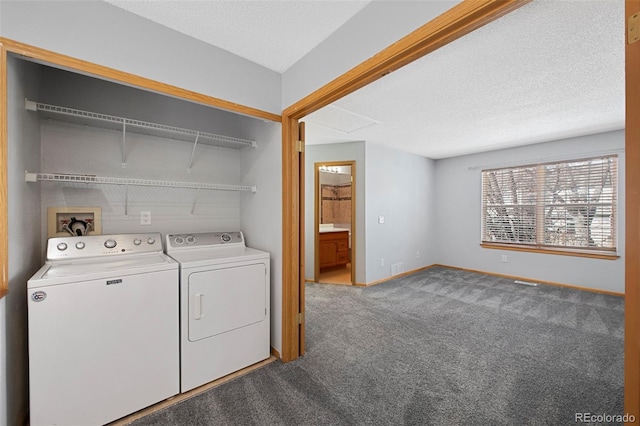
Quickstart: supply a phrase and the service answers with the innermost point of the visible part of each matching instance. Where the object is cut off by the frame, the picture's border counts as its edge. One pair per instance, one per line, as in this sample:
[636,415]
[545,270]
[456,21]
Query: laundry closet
[185,180]
[239,173]
[133,161]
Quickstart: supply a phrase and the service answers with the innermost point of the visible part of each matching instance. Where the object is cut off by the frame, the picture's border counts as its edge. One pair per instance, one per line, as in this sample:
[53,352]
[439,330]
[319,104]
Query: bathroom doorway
[335,212]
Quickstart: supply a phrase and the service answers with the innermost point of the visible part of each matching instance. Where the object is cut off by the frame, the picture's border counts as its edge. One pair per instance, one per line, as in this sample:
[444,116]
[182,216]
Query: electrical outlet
[145,218]
[504,258]
[381,262]
[417,254]
[380,219]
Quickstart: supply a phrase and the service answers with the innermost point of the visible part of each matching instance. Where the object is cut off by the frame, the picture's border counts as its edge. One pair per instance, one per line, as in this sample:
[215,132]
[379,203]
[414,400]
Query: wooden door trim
[451,25]
[301,248]
[316,214]
[4,187]
[354,225]
[317,195]
[74,64]
[632,222]
[291,240]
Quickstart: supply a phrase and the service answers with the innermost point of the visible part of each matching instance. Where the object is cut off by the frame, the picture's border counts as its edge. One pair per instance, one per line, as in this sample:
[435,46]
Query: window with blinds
[568,205]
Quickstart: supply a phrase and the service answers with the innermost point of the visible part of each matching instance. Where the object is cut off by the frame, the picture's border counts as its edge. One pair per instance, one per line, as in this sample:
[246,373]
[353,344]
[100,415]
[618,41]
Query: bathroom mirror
[335,195]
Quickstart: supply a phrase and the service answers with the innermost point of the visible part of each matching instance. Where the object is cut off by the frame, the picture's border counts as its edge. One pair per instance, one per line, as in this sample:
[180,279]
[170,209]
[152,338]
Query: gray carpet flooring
[438,347]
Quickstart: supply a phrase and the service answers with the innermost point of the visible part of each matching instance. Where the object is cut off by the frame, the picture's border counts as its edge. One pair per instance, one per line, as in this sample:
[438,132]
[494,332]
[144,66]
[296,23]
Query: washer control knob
[151,240]
[62,246]
[179,240]
[191,239]
[137,241]
[80,245]
[110,243]
[225,238]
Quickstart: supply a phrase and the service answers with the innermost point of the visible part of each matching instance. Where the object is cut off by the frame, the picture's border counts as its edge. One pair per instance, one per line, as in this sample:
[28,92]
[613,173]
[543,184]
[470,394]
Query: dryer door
[226,299]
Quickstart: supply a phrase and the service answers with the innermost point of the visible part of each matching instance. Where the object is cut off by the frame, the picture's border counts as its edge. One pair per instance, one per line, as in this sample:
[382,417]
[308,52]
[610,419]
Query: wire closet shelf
[91,179]
[135,126]
[95,119]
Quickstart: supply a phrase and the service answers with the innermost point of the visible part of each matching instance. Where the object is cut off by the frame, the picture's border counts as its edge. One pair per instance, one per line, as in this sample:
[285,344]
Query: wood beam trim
[632,222]
[301,228]
[557,252]
[451,25]
[290,240]
[4,187]
[131,79]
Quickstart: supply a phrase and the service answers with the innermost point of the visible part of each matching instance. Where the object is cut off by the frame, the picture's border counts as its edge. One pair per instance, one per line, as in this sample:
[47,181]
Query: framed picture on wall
[73,221]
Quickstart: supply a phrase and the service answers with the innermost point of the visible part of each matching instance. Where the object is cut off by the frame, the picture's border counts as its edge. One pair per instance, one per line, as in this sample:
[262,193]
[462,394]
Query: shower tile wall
[336,204]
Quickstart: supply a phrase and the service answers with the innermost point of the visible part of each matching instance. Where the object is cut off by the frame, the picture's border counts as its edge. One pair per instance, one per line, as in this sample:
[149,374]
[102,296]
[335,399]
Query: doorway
[334,224]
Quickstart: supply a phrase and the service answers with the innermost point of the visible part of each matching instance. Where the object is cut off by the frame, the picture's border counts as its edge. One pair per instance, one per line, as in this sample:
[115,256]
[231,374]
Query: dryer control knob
[179,240]
[137,241]
[110,243]
[225,238]
[62,246]
[191,239]
[80,245]
[151,240]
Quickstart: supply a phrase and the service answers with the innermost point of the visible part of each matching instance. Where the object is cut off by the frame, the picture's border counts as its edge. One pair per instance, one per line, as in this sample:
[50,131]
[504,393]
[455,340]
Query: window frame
[540,204]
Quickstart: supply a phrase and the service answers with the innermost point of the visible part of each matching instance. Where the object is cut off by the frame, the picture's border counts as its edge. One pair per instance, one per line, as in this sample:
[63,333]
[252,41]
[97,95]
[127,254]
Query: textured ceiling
[272,33]
[551,69]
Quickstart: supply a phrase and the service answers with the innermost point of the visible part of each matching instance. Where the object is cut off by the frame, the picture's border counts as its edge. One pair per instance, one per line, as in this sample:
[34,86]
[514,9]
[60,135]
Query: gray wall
[375,27]
[101,33]
[71,148]
[390,183]
[458,201]
[123,41]
[24,241]
[261,213]
[401,187]
[353,151]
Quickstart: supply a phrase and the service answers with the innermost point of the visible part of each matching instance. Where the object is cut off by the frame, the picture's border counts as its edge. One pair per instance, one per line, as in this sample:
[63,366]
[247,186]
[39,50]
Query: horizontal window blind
[509,204]
[568,204]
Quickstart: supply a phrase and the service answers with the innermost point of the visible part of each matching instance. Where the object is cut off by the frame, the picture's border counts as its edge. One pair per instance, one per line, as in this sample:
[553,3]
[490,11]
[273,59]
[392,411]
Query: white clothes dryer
[224,305]
[103,329]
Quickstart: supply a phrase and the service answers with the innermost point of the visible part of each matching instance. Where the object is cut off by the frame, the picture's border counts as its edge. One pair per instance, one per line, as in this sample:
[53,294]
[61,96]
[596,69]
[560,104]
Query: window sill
[561,252]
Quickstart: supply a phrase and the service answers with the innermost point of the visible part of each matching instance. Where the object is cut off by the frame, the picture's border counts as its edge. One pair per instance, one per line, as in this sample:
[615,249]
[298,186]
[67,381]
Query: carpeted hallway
[441,347]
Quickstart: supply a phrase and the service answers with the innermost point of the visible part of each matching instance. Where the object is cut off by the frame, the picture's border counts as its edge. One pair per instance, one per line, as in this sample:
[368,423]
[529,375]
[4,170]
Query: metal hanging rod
[136,126]
[91,179]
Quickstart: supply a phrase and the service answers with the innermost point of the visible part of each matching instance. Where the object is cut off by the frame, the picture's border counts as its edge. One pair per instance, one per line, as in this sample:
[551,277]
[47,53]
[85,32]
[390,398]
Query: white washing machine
[103,329]
[224,305]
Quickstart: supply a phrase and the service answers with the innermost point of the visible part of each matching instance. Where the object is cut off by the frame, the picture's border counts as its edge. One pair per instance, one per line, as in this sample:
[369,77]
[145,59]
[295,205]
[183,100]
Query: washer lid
[67,271]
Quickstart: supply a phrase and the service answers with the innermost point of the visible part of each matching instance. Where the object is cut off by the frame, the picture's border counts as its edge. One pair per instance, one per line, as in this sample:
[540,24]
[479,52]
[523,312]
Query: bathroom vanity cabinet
[334,249]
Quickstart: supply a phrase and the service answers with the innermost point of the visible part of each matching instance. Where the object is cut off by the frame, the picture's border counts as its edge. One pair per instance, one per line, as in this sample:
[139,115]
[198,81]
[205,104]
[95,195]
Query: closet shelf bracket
[126,202]
[124,142]
[193,151]
[195,201]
